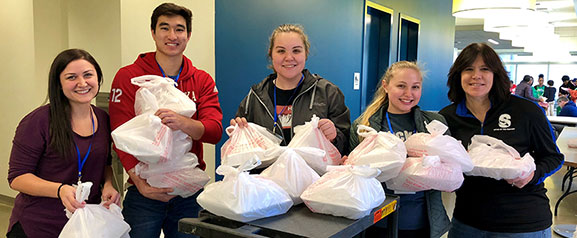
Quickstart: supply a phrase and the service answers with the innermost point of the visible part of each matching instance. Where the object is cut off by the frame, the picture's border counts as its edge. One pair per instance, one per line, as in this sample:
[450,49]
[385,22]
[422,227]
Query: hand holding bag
[495,159]
[309,135]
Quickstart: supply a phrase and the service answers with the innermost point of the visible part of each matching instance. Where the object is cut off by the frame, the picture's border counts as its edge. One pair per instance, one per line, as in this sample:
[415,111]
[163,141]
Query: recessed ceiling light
[494,42]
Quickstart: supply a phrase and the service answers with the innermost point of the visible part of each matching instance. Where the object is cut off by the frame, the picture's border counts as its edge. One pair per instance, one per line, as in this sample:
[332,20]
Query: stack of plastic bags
[348,191]
[436,162]
[380,150]
[495,159]
[165,160]
[447,148]
[248,142]
[292,173]
[94,220]
[243,197]
[425,173]
[309,135]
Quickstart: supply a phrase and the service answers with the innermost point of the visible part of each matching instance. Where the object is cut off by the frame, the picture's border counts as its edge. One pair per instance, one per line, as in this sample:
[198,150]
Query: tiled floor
[567,209]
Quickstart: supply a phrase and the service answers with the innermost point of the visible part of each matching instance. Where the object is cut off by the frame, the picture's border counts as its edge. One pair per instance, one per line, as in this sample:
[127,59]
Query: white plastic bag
[309,135]
[348,191]
[425,173]
[94,220]
[251,141]
[157,92]
[292,173]
[150,141]
[182,175]
[144,136]
[243,197]
[495,159]
[447,148]
[381,150]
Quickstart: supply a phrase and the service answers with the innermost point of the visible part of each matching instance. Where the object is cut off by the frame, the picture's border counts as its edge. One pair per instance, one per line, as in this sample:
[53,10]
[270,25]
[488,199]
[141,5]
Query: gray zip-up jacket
[439,222]
[316,96]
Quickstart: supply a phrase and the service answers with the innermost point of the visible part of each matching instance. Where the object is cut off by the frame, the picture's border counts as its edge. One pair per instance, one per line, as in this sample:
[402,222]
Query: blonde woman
[394,109]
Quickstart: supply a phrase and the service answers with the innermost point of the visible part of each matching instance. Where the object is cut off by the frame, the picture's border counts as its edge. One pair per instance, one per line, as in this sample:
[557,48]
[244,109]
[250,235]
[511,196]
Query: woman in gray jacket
[292,95]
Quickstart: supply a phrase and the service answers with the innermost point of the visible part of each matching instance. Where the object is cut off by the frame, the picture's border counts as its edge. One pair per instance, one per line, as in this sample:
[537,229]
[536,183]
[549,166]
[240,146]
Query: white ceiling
[562,14]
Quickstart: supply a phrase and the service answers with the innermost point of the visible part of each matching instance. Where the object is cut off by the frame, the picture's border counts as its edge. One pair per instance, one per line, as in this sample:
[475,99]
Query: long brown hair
[61,137]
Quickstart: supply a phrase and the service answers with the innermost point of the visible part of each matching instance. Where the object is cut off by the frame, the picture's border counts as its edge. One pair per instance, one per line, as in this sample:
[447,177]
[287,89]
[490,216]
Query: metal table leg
[569,176]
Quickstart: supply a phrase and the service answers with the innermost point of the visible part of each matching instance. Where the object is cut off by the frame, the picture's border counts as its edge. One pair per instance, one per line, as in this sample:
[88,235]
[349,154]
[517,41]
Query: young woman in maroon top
[58,145]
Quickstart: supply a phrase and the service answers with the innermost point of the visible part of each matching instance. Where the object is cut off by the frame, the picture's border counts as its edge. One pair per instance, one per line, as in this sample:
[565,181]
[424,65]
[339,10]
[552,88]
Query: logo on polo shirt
[504,123]
[505,120]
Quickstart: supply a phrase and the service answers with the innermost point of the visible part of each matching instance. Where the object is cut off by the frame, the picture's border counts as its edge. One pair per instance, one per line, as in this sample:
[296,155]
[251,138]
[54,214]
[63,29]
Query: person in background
[525,90]
[539,89]
[564,88]
[568,108]
[147,209]
[292,94]
[60,144]
[512,87]
[482,105]
[550,93]
[394,109]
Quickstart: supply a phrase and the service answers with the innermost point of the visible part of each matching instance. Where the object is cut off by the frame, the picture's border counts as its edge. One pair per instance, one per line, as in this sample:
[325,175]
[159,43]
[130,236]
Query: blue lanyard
[81,163]
[294,91]
[164,75]
[390,126]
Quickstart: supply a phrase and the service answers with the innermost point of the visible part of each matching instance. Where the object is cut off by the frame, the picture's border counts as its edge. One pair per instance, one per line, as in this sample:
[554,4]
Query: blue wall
[335,29]
[436,42]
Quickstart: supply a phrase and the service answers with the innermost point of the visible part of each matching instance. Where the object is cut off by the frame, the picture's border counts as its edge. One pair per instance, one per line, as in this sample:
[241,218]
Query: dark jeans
[147,217]
[461,230]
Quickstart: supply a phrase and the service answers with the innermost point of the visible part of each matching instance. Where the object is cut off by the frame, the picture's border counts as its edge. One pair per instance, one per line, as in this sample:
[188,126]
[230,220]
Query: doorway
[376,49]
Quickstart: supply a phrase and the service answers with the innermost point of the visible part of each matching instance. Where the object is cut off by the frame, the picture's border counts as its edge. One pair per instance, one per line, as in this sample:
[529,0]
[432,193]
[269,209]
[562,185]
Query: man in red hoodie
[149,209]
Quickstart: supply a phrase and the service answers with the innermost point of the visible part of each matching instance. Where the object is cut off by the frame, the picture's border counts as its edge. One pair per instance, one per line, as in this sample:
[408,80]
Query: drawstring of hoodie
[313,98]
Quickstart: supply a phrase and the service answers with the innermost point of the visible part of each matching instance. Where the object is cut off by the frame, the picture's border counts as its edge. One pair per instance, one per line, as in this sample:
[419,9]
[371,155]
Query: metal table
[299,221]
[570,161]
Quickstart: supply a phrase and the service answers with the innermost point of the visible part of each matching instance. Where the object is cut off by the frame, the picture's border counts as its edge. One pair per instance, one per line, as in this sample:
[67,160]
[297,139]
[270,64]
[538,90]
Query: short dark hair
[541,76]
[171,9]
[565,78]
[60,124]
[550,82]
[527,78]
[501,82]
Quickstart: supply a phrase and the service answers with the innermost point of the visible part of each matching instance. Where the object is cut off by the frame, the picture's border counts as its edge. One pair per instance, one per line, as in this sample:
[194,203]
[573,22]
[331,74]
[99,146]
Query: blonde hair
[381,95]
[286,28]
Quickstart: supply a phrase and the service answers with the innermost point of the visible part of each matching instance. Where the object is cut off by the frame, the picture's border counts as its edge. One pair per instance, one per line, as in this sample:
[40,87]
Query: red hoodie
[195,83]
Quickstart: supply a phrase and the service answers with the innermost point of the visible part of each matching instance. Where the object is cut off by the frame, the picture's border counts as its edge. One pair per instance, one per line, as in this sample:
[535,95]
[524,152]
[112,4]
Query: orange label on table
[385,211]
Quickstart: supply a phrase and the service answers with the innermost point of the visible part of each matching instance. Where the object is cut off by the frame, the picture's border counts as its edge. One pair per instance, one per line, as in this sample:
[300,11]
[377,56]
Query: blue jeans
[147,217]
[460,230]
